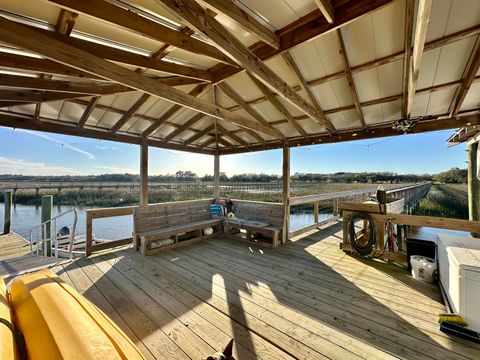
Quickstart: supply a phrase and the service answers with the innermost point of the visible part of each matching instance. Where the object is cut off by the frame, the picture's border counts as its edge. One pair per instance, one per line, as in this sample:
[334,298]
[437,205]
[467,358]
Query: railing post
[315,212]
[143,174]
[216,176]
[7,200]
[286,192]
[473,184]
[89,234]
[46,214]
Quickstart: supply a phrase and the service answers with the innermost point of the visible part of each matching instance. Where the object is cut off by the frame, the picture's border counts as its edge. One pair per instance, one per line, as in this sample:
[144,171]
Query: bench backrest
[271,213]
[162,215]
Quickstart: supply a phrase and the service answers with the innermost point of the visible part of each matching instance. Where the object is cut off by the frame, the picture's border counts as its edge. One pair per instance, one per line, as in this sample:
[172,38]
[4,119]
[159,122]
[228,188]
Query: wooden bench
[163,226]
[262,221]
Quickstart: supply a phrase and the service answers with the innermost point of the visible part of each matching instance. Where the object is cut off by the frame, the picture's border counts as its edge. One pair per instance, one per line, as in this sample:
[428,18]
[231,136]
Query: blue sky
[35,153]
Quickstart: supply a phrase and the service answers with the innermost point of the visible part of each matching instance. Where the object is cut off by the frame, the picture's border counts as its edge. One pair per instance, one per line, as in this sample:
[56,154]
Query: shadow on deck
[304,300]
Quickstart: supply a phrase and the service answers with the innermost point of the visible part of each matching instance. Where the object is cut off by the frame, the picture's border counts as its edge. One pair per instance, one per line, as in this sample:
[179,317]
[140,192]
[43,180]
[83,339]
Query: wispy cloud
[106,147]
[116,170]
[55,141]
[24,167]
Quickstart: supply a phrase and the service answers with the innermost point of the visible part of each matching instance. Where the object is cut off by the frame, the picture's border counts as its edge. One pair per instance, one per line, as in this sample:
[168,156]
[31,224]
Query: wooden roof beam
[408,38]
[21,121]
[278,105]
[25,82]
[466,82]
[197,90]
[65,22]
[232,136]
[306,28]
[232,94]
[421,25]
[208,142]
[348,74]
[200,20]
[19,35]
[129,58]
[247,22]
[46,66]
[434,44]
[291,62]
[118,16]
[35,96]
[88,111]
[377,131]
[326,8]
[199,135]
[192,121]
[130,113]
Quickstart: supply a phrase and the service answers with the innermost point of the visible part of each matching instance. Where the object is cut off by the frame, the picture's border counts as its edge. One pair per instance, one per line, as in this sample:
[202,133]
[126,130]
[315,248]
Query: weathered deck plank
[304,300]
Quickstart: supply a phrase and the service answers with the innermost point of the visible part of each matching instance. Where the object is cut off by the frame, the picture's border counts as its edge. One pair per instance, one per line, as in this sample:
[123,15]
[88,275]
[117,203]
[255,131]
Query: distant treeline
[454,175]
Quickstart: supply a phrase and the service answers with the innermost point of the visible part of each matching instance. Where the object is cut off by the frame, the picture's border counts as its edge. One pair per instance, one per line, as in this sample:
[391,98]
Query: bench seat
[179,223]
[262,221]
[177,229]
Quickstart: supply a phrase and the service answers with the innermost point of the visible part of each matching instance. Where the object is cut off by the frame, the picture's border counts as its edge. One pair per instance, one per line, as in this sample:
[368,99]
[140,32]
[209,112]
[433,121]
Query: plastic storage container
[423,268]
[421,246]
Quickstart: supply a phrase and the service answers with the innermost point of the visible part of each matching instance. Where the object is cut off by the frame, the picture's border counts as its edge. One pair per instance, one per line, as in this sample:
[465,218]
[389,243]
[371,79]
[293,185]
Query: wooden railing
[412,194]
[92,214]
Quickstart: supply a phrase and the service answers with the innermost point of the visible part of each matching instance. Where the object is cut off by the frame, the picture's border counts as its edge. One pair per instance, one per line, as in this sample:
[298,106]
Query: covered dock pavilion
[226,77]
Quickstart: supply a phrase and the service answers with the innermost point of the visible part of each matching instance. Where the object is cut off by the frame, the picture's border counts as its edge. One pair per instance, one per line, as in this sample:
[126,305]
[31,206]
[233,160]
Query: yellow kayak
[59,323]
[7,342]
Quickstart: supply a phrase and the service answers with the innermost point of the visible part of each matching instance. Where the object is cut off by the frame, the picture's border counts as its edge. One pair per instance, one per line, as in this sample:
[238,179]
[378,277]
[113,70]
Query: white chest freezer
[465,284]
[459,269]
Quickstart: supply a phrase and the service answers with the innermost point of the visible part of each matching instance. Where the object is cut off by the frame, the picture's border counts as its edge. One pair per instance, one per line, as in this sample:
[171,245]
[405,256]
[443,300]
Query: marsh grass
[445,200]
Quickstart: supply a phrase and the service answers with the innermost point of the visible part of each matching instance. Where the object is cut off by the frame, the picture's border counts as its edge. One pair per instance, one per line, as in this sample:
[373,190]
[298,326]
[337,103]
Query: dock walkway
[16,259]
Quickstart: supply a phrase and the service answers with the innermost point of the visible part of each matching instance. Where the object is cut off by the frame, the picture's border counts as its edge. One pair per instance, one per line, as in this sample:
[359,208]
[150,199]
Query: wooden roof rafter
[434,44]
[186,126]
[197,91]
[408,39]
[304,29]
[130,113]
[293,65]
[22,121]
[101,9]
[270,96]
[35,41]
[442,122]
[200,20]
[249,23]
[88,111]
[348,75]
[326,8]
[467,81]
[232,94]
[200,134]
[129,58]
[65,23]
[421,25]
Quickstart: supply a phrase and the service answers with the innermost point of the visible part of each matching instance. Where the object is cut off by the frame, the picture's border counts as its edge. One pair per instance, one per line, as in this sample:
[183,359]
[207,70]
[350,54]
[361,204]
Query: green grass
[445,200]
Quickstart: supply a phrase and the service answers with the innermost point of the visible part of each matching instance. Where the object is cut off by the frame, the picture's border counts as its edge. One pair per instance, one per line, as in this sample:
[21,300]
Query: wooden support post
[143,174]
[89,234]
[473,185]
[7,200]
[315,212]
[46,214]
[216,176]
[286,192]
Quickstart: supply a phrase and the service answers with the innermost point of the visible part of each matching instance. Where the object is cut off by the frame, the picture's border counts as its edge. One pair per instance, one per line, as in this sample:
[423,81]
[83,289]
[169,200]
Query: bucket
[423,268]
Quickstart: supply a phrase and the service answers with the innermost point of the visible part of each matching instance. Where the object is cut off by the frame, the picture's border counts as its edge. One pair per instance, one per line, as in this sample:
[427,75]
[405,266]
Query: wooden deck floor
[16,258]
[305,300]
